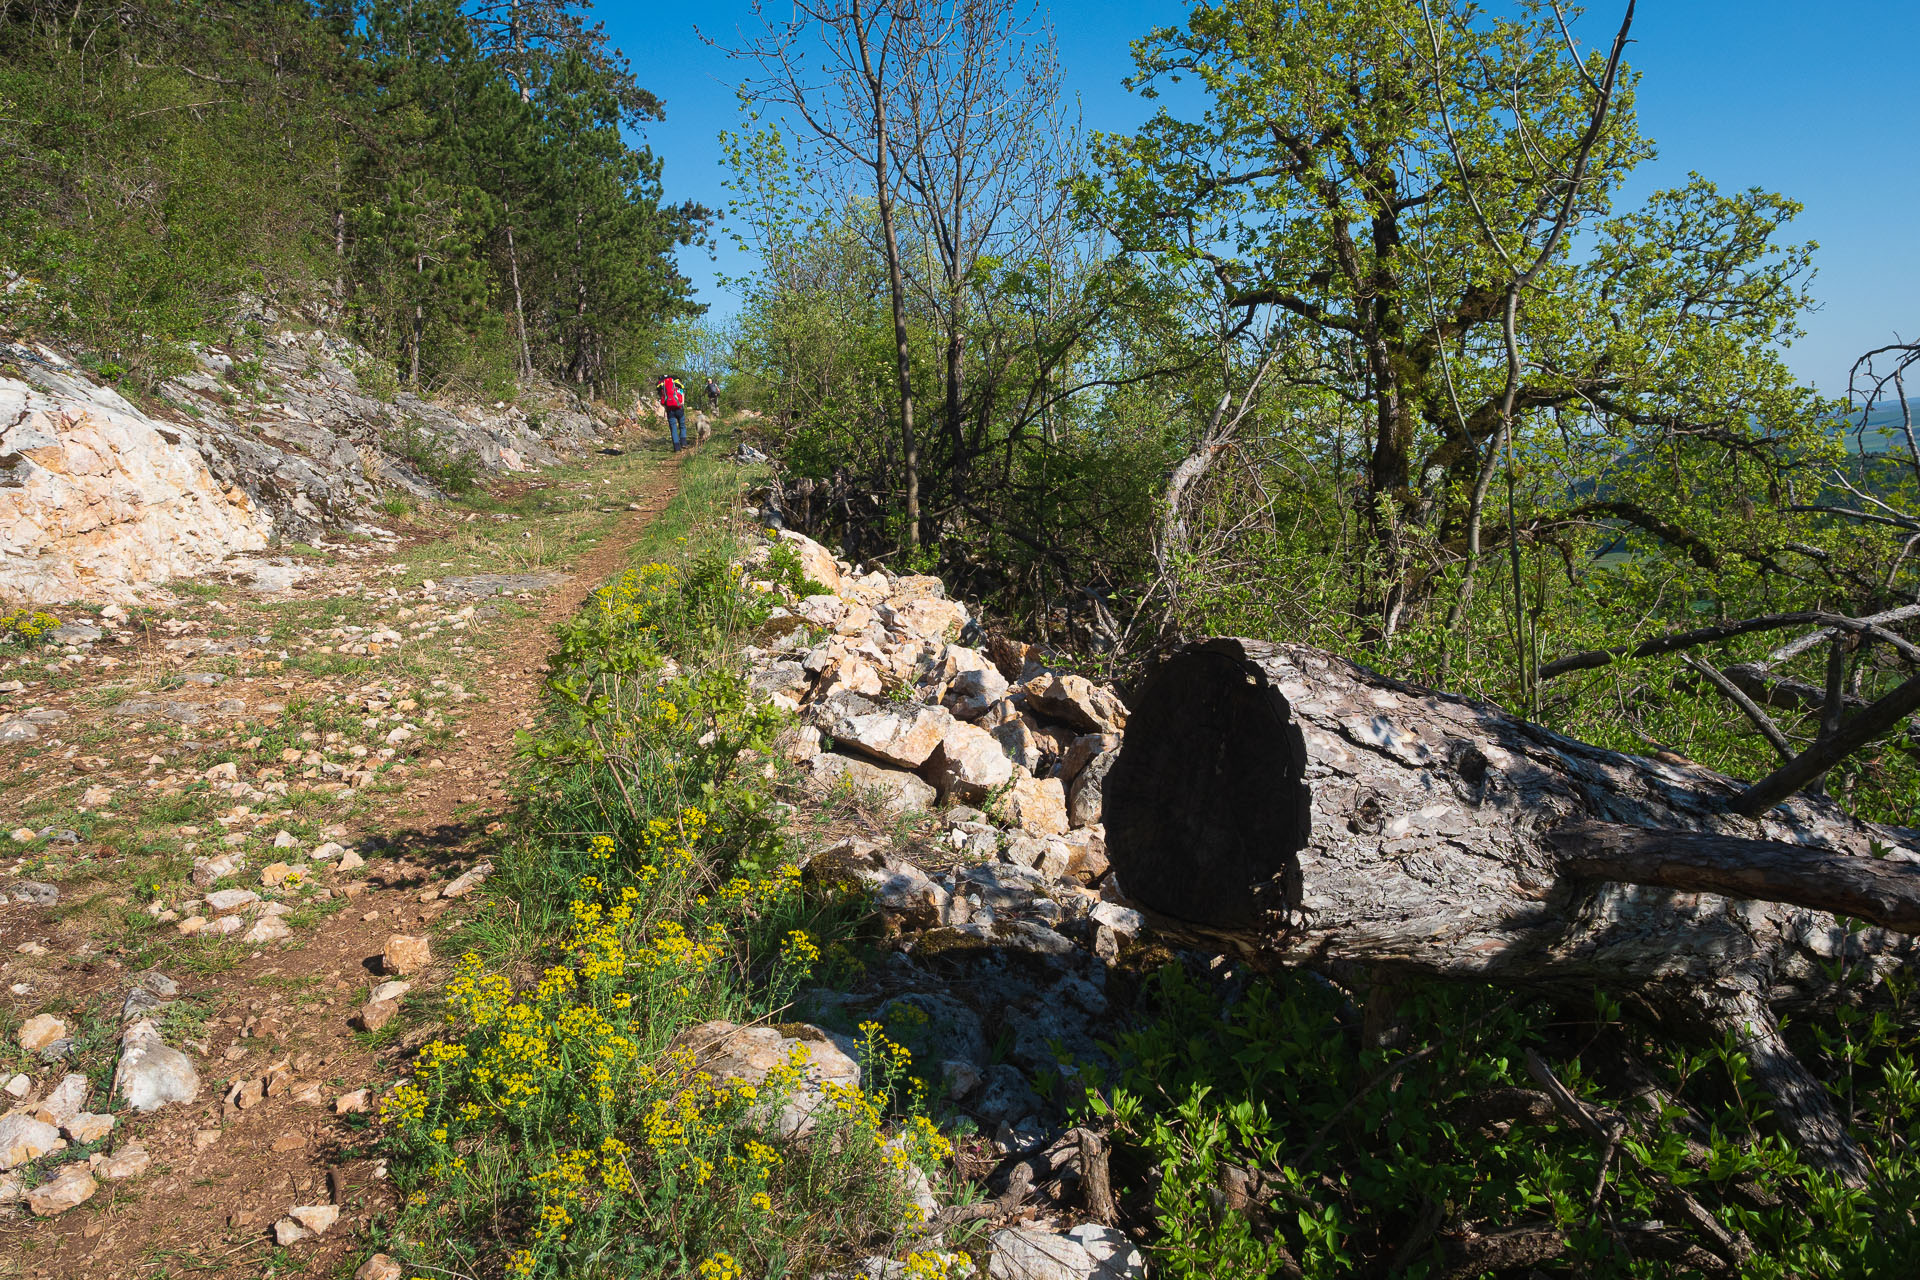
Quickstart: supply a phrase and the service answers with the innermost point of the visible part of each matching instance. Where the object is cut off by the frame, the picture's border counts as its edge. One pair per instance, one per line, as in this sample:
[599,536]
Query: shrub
[27,627]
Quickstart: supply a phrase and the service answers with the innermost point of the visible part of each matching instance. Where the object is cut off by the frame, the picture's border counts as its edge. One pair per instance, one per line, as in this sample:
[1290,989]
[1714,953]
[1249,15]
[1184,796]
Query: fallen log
[1305,810]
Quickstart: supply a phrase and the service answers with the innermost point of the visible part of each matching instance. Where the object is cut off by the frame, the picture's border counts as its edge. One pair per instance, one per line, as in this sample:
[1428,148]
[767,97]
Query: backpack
[670,394]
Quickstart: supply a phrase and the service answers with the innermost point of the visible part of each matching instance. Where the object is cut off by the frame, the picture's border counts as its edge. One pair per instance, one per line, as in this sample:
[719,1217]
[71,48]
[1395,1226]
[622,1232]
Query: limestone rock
[816,562]
[468,881]
[88,1127]
[64,1101]
[969,764]
[1037,806]
[1077,701]
[930,619]
[39,1031]
[151,1074]
[379,1267]
[266,929]
[128,1162]
[75,1186]
[1088,802]
[23,1138]
[909,895]
[894,791]
[735,1054]
[316,1218]
[971,693]
[375,1014]
[1088,1252]
[224,902]
[207,871]
[405,953]
[100,498]
[901,734]
[1019,739]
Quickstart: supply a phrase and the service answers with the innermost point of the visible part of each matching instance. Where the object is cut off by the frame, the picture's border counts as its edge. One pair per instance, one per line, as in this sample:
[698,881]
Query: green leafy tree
[1370,175]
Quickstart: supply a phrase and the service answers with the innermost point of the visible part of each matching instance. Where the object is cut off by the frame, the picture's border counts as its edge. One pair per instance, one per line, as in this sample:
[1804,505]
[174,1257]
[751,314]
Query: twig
[1761,720]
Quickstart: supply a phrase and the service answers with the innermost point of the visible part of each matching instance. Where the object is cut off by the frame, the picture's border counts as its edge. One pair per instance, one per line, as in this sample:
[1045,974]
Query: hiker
[713,396]
[673,398]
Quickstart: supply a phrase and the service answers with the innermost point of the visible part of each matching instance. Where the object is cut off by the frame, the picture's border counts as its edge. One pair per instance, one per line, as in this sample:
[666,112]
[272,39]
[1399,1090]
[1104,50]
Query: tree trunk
[1290,804]
[419,324]
[519,310]
[896,286]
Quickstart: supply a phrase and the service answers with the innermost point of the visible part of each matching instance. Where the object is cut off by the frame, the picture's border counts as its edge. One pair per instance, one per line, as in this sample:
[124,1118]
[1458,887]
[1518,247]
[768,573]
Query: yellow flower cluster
[26,625]
[937,1265]
[721,1266]
[743,896]
[631,600]
[798,954]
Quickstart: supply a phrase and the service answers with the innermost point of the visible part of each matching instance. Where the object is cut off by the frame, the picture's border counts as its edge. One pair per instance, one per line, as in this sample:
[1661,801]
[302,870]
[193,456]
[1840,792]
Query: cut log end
[1208,798]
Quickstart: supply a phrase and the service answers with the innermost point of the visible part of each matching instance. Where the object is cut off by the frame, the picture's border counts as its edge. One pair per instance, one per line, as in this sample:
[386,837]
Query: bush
[452,472]
[27,627]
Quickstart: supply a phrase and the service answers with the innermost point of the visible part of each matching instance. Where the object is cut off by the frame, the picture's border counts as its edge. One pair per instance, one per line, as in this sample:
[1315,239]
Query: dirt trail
[224,1170]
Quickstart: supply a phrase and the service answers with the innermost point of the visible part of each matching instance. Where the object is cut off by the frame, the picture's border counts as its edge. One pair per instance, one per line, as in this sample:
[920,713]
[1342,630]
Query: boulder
[894,791]
[970,694]
[816,562]
[1086,804]
[1087,1252]
[1037,806]
[968,764]
[150,1074]
[1021,741]
[896,733]
[734,1054]
[929,619]
[1077,701]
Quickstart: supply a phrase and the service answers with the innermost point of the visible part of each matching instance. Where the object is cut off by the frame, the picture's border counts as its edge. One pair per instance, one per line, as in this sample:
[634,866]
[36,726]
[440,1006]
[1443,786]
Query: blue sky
[1811,100]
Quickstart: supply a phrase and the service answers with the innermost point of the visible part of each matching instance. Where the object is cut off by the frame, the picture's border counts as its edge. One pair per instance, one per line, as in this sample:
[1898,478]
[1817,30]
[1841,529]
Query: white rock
[39,1031]
[969,764]
[1087,1252]
[75,1186]
[151,1074]
[23,1138]
[65,1100]
[266,929]
[902,734]
[315,1217]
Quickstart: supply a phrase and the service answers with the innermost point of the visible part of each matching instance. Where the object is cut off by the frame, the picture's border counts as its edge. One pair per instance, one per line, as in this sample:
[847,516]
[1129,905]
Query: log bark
[1297,807]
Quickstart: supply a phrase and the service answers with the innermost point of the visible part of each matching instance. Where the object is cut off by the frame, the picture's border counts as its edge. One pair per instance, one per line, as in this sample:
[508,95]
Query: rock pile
[1004,918]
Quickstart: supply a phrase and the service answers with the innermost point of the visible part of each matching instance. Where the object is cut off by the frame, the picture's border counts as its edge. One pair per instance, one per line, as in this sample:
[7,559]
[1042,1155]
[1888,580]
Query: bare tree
[864,47]
[977,173]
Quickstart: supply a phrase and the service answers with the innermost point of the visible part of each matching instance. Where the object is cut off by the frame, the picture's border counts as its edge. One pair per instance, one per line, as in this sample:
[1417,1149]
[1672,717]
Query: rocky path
[241,828]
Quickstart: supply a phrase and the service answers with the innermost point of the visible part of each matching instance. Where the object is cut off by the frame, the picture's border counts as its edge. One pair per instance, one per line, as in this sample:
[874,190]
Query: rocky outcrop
[105,499]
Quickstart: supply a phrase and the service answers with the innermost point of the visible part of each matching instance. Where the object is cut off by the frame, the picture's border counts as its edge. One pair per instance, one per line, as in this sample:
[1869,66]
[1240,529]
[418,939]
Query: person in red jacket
[673,398]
